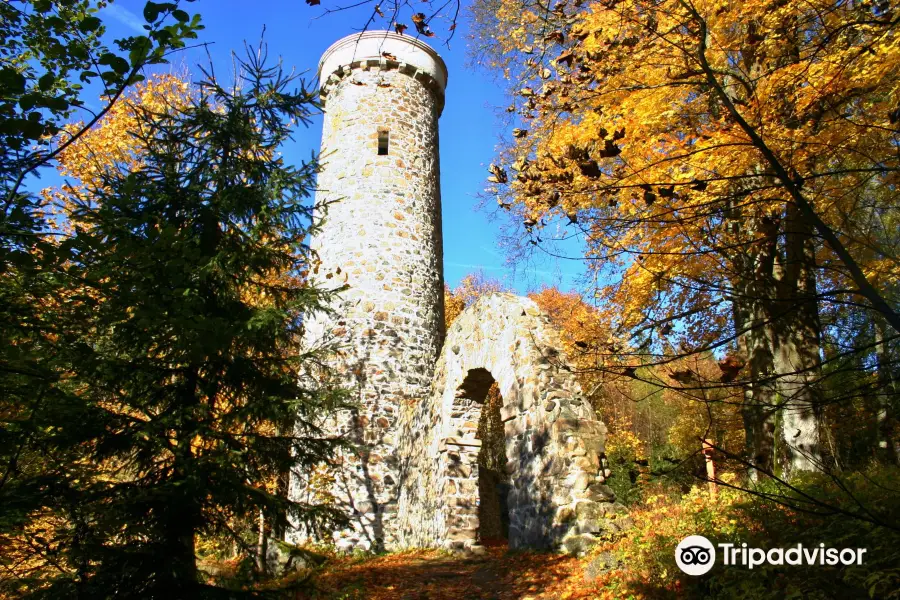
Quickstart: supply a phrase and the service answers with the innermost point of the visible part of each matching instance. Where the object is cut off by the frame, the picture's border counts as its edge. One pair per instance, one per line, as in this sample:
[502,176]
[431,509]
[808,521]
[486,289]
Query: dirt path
[480,576]
[497,575]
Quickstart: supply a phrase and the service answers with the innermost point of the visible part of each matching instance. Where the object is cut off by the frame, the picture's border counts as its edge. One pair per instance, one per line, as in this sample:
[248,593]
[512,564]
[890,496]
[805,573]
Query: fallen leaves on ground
[500,574]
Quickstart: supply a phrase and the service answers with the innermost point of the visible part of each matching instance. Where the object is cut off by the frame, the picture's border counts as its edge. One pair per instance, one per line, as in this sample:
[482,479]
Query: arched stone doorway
[553,442]
[478,412]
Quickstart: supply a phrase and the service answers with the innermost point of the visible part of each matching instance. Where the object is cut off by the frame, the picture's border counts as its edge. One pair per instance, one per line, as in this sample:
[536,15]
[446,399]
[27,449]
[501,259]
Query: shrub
[738,516]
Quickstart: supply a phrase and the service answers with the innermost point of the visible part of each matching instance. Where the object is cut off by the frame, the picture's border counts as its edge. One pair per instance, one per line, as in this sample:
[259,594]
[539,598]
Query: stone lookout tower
[383,94]
[415,475]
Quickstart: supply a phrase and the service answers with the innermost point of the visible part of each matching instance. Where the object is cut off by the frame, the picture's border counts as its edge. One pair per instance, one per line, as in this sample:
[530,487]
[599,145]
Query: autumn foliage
[730,169]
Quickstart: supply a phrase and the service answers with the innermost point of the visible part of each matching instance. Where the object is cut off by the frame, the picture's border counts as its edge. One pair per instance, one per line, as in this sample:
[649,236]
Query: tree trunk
[754,289]
[759,408]
[797,350]
[183,513]
[180,551]
[280,523]
[887,395]
[261,544]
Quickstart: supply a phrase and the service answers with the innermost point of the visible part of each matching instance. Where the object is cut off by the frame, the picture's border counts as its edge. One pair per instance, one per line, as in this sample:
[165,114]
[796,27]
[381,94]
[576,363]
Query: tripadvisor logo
[696,555]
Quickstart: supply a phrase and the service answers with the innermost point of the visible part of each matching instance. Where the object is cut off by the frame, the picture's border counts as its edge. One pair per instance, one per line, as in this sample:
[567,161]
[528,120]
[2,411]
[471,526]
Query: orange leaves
[585,334]
[706,407]
[420,22]
[730,367]
[437,576]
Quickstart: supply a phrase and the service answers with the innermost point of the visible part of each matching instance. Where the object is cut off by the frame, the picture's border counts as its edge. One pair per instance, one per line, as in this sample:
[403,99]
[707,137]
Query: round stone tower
[383,94]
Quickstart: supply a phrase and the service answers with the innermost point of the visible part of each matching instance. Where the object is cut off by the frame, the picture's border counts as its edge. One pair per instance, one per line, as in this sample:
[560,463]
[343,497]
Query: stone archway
[554,443]
[476,411]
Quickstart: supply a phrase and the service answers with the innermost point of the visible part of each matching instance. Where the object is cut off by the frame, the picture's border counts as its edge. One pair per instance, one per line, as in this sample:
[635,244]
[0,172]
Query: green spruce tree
[193,391]
[48,50]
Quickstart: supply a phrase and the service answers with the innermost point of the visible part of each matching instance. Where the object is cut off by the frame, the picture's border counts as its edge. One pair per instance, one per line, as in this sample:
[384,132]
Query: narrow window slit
[383,138]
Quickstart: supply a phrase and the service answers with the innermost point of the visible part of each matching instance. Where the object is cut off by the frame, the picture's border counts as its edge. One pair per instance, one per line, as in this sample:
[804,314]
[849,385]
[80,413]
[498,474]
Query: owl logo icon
[695,555]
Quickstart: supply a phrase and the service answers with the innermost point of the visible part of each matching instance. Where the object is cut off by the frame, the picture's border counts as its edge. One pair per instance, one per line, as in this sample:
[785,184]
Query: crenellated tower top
[384,50]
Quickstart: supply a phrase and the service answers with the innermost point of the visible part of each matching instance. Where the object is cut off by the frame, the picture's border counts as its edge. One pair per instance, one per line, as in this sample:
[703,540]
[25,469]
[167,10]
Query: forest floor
[498,574]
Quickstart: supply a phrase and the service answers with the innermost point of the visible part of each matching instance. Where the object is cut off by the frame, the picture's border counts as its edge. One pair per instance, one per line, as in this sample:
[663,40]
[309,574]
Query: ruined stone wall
[554,444]
[382,235]
[412,477]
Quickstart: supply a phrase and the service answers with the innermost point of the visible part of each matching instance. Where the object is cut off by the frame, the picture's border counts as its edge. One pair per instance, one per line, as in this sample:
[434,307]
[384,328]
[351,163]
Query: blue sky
[469,127]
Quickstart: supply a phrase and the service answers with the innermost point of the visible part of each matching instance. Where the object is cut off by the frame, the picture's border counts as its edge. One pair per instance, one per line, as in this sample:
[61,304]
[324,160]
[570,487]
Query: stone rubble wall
[382,235]
[554,442]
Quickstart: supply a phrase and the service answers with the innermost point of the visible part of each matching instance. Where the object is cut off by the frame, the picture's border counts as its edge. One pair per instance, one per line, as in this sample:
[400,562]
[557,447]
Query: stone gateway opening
[483,393]
[523,463]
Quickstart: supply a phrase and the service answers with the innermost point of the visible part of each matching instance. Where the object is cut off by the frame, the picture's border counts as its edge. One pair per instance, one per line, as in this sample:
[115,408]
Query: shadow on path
[499,574]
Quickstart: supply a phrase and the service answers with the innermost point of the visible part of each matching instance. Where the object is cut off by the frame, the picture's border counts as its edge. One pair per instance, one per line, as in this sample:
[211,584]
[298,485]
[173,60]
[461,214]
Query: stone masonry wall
[554,444]
[382,235]
[412,479]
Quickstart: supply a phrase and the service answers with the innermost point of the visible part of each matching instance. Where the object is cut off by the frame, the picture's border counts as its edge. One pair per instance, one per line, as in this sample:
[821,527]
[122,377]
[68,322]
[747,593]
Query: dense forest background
[729,169]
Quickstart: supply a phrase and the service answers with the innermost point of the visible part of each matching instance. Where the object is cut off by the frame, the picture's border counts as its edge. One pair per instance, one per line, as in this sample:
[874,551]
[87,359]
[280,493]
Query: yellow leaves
[625,442]
[882,270]
[470,289]
[822,99]
[321,483]
[32,553]
[114,141]
[453,306]
[498,174]
[658,526]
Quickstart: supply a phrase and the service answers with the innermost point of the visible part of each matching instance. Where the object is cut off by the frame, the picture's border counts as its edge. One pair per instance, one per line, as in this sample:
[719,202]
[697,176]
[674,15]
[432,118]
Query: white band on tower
[383,46]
